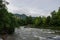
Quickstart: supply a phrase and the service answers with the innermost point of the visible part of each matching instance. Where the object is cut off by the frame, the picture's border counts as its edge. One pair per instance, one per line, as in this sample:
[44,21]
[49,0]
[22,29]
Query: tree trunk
[4,37]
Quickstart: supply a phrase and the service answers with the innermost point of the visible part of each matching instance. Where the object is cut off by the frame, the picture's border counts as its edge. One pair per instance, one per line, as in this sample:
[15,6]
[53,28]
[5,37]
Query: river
[33,34]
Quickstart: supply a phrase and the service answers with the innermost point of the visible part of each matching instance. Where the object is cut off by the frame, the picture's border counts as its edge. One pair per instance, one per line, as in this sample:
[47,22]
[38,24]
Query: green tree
[38,22]
[29,20]
[48,21]
[44,21]
[7,20]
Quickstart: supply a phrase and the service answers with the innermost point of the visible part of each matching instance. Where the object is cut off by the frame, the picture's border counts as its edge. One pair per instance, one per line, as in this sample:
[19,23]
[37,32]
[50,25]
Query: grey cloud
[33,7]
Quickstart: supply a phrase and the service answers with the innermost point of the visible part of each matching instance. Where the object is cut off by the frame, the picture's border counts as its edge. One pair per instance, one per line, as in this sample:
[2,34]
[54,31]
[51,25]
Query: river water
[33,34]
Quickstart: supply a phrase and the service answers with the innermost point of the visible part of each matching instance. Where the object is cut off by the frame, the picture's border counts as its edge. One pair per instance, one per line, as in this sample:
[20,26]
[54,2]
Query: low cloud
[33,7]
[28,11]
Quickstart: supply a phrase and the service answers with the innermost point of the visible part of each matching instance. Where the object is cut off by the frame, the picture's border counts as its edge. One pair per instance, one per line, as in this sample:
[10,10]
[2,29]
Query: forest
[52,21]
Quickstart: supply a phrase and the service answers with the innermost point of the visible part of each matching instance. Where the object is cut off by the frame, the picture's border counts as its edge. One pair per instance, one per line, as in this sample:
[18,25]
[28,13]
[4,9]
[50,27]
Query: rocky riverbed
[33,34]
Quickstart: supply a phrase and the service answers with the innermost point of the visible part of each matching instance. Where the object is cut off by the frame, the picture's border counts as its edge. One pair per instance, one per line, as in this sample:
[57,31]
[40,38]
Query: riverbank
[44,27]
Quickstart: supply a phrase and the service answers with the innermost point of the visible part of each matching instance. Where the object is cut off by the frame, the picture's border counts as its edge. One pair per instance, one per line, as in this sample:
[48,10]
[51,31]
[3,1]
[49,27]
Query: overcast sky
[33,7]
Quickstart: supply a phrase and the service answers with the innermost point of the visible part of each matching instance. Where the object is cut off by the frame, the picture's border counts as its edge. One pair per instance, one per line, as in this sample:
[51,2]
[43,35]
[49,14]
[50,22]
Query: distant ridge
[22,16]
